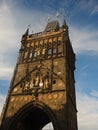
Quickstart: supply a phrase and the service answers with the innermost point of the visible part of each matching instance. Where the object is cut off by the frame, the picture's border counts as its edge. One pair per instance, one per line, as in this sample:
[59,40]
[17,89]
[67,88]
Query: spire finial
[49,18]
[29,26]
[27,31]
[57,15]
[64,25]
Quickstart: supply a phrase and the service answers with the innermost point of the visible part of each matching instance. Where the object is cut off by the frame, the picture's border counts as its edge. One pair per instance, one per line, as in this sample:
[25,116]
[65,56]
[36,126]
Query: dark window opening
[54,82]
[59,42]
[54,50]
[50,51]
[35,54]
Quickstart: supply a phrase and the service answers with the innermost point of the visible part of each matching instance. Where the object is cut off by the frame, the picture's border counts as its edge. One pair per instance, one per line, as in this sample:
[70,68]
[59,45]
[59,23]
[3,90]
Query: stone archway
[33,116]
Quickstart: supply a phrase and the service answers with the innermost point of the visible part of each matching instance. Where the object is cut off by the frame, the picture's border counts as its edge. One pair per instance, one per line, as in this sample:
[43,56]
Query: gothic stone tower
[42,88]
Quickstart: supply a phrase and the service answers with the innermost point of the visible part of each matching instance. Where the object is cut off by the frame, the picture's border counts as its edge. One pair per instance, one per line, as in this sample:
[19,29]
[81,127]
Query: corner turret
[64,25]
[26,33]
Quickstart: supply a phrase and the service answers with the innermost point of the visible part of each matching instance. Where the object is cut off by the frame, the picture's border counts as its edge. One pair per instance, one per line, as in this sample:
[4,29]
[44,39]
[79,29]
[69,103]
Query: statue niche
[36,81]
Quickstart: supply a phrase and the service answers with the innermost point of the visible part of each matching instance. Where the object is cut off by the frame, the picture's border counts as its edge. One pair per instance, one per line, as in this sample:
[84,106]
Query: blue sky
[82,19]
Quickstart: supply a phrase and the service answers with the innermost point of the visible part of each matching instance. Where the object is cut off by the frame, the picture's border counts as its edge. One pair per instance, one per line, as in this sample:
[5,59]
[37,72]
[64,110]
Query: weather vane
[29,25]
[49,18]
[57,15]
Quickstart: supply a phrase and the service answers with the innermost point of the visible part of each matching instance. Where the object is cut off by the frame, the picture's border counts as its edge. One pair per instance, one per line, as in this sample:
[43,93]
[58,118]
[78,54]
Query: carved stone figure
[27,85]
[31,84]
[46,84]
[37,81]
[38,51]
[43,51]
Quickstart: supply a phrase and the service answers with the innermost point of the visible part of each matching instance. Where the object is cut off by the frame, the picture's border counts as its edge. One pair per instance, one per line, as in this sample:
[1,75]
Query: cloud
[8,40]
[2,100]
[7,29]
[83,72]
[95,10]
[83,39]
[94,93]
[87,112]
[89,6]
[5,71]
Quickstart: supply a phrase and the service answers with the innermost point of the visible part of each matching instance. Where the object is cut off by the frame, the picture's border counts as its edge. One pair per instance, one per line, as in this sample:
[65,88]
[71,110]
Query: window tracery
[41,50]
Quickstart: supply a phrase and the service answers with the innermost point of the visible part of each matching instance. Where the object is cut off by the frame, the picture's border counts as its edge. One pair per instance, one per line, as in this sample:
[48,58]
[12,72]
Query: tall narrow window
[59,42]
[54,50]
[35,54]
[50,51]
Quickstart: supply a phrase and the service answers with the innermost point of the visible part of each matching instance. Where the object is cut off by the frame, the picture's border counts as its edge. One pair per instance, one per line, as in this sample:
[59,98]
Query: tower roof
[54,25]
[26,33]
[64,25]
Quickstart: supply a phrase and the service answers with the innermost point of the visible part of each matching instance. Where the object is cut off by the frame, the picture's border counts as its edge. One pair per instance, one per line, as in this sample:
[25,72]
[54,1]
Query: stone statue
[31,84]
[37,81]
[46,84]
[26,86]
[43,51]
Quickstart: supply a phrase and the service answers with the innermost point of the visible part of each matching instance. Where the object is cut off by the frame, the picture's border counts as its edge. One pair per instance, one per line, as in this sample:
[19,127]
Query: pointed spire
[57,15]
[27,32]
[64,25]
